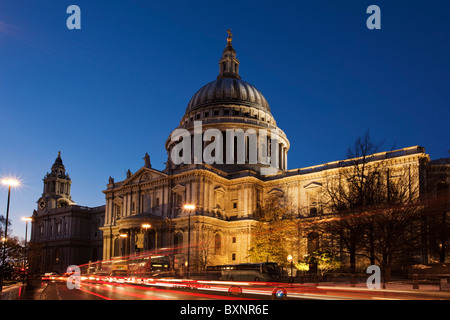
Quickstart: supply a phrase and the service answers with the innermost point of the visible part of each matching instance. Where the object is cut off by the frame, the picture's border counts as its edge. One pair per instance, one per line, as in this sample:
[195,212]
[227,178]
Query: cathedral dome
[228,91]
[228,124]
[228,98]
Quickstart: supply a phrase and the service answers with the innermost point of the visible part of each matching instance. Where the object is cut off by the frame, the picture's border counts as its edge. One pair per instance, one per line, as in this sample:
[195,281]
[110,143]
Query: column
[122,246]
[285,159]
[207,196]
[132,240]
[245,203]
[146,240]
[193,195]
[202,194]
[105,247]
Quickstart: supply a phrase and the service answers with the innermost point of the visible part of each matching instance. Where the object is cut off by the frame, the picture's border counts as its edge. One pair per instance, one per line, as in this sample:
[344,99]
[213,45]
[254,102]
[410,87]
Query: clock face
[42,204]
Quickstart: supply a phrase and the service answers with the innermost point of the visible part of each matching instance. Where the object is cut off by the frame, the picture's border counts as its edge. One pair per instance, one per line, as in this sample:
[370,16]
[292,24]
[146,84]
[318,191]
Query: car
[50,276]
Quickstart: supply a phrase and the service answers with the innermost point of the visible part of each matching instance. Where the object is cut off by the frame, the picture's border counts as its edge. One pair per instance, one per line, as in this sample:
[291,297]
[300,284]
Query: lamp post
[289,259]
[189,208]
[146,226]
[9,183]
[123,236]
[25,257]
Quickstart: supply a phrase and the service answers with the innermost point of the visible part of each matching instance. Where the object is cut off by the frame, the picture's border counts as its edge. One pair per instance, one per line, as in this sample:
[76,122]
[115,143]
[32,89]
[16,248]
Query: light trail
[110,288]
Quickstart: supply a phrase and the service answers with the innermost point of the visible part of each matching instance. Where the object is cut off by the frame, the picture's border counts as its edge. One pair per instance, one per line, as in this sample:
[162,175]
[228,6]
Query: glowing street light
[290,259]
[9,182]
[123,243]
[146,226]
[189,206]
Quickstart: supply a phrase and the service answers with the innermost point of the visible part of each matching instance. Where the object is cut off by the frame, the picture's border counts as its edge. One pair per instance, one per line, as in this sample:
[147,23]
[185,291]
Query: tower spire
[58,160]
[229,65]
[230,37]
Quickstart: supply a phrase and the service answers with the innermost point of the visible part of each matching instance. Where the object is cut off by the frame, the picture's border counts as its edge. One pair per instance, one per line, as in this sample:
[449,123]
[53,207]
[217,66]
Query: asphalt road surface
[57,290]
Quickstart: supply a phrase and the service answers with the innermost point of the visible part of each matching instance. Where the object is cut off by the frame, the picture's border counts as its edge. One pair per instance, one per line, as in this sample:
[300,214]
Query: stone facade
[62,232]
[226,196]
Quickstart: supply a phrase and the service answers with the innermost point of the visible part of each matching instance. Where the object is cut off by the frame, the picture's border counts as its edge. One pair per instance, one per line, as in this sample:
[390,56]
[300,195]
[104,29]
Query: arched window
[313,211]
[217,244]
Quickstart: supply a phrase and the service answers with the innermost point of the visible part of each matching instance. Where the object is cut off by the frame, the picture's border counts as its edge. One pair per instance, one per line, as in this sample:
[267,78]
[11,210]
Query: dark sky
[114,90]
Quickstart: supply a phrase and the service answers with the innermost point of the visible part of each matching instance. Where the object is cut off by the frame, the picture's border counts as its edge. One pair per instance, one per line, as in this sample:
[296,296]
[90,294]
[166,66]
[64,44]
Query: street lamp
[123,243]
[189,208]
[9,183]
[146,226]
[289,259]
[26,219]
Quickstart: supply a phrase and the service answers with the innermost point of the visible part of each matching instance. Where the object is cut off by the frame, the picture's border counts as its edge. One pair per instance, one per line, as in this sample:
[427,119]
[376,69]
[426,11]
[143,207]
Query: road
[178,303]
[206,290]
[57,290]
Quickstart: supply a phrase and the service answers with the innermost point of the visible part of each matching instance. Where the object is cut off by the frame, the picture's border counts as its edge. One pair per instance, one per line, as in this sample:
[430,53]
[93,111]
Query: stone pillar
[285,159]
[244,204]
[193,195]
[132,236]
[202,194]
[146,240]
[122,246]
[105,247]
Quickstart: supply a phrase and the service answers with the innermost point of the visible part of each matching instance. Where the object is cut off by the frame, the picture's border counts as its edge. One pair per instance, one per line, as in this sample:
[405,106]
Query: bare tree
[437,218]
[391,228]
[375,210]
[205,246]
[351,192]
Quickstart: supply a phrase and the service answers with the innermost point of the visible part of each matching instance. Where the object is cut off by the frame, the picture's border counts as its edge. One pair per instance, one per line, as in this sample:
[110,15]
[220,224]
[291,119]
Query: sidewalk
[11,292]
[32,290]
[429,291]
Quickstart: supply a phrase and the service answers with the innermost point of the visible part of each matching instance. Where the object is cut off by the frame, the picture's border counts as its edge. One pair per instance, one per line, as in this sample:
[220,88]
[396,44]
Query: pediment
[219,189]
[118,201]
[179,188]
[144,175]
[313,185]
[276,192]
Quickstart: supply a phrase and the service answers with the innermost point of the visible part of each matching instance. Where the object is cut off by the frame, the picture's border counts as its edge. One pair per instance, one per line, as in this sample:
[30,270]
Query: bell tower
[56,192]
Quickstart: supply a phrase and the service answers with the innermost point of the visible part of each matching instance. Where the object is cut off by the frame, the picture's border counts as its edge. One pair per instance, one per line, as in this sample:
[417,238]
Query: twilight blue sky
[114,90]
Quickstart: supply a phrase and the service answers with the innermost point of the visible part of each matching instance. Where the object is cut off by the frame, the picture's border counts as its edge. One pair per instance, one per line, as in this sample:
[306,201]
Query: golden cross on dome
[229,37]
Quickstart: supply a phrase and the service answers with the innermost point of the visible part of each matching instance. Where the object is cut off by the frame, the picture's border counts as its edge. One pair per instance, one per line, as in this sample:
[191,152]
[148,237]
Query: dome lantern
[229,65]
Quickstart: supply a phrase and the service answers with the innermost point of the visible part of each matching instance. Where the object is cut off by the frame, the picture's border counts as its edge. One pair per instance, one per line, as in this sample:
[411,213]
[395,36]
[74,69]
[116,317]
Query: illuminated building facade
[226,195]
[63,233]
